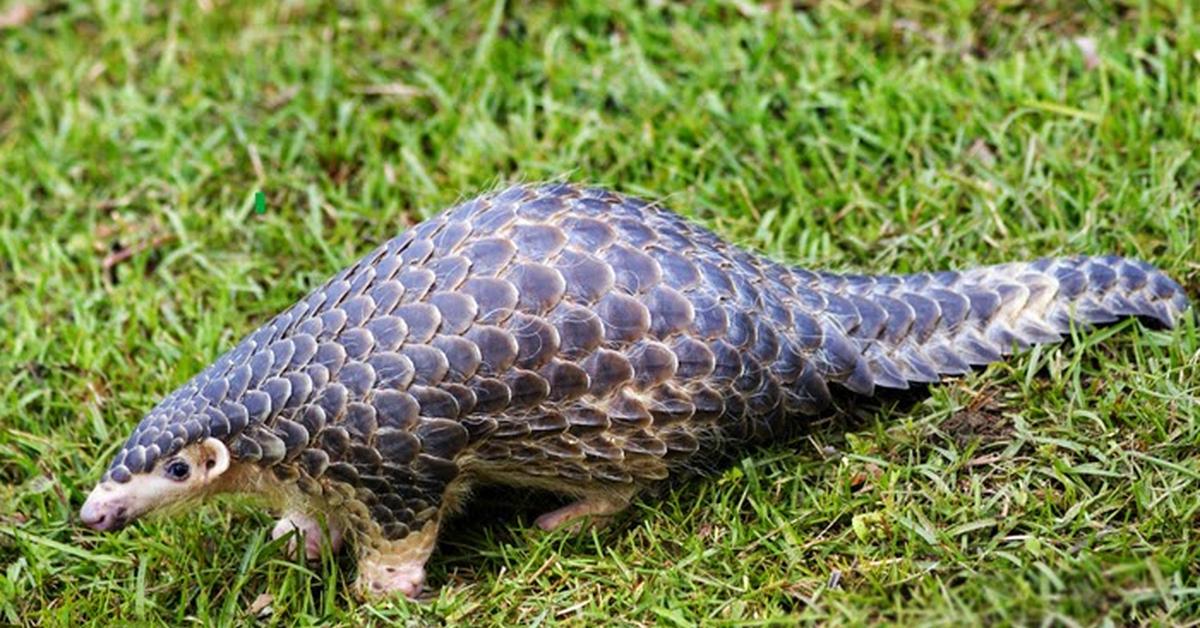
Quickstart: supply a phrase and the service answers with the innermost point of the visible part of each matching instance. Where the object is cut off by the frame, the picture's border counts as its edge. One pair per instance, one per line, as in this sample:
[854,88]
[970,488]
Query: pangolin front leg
[395,522]
[314,535]
[386,567]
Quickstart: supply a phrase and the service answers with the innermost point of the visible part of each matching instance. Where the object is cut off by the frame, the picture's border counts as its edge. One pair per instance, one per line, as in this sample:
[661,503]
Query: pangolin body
[591,343]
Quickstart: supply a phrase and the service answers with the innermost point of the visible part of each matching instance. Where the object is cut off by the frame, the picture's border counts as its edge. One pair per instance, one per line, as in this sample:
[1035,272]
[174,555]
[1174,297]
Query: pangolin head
[190,439]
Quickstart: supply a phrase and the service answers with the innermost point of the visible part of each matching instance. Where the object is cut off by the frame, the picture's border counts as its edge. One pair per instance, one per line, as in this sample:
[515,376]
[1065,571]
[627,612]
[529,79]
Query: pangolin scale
[590,343]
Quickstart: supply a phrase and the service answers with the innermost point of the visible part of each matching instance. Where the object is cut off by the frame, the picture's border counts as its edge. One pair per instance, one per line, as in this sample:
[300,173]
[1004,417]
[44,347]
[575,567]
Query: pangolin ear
[214,458]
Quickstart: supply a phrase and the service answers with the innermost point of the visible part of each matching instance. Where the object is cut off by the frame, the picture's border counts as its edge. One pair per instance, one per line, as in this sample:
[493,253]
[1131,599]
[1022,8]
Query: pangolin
[571,339]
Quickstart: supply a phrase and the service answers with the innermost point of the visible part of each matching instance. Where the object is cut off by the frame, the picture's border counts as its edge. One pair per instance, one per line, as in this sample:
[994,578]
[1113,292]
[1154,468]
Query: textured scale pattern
[576,338]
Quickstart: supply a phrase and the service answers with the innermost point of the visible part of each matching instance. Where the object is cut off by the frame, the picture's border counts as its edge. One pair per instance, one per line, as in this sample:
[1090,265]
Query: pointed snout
[104,509]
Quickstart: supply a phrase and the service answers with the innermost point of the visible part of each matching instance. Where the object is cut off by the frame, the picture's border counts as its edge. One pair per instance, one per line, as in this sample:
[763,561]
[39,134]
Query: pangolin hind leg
[598,509]
[314,535]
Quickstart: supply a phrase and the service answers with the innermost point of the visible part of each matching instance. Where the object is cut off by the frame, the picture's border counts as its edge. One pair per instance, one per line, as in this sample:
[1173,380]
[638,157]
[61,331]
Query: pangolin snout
[99,513]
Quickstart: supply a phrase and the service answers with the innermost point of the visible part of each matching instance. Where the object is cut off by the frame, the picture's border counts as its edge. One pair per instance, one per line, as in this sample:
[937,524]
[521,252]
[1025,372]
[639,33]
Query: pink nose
[104,515]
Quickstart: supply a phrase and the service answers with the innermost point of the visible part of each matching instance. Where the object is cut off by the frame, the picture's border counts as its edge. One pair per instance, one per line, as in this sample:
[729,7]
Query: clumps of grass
[1059,487]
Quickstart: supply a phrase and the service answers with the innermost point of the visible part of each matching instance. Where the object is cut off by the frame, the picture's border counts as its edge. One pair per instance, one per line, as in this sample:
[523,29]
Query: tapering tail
[921,327]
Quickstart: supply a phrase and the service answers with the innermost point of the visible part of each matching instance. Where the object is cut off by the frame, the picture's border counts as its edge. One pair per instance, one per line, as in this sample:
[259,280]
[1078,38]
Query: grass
[1062,487]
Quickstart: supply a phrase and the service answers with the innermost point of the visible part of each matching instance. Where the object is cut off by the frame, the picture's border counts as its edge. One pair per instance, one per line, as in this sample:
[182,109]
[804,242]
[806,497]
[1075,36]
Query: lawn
[1062,486]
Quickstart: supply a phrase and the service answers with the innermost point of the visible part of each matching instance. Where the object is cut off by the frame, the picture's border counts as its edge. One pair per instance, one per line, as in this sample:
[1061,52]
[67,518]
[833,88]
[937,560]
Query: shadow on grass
[471,544]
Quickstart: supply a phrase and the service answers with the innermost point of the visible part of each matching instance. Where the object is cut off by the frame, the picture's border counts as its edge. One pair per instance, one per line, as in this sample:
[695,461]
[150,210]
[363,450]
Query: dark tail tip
[1141,290]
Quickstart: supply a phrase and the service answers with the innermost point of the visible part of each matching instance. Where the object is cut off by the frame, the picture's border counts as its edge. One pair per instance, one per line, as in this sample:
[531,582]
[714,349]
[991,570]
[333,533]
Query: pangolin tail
[919,328]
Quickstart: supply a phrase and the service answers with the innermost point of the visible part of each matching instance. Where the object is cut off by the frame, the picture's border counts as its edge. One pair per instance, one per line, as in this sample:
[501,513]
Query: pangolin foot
[378,579]
[311,530]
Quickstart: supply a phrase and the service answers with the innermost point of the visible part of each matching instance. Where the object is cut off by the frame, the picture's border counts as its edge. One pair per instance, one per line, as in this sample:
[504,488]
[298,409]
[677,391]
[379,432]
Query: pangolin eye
[177,470]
